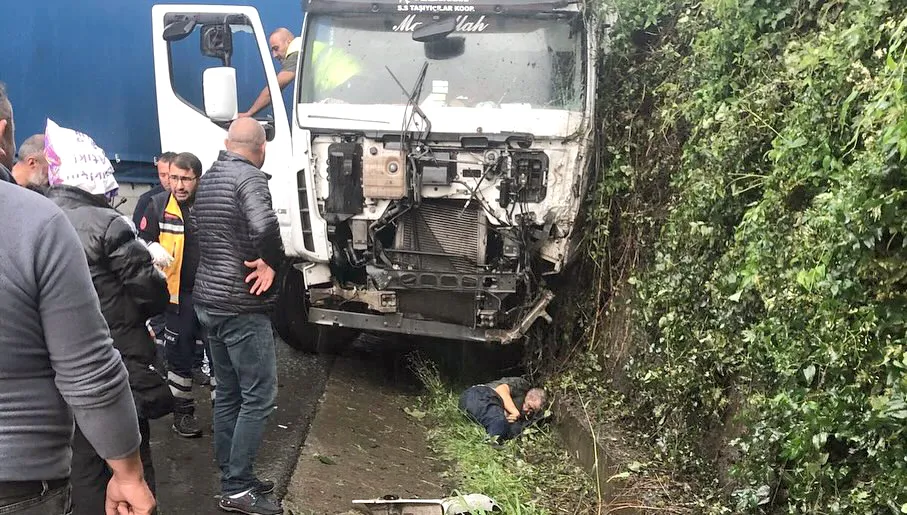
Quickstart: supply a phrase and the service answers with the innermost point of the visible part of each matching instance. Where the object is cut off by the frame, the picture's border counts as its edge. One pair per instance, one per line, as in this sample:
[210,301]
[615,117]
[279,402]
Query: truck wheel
[290,317]
[291,320]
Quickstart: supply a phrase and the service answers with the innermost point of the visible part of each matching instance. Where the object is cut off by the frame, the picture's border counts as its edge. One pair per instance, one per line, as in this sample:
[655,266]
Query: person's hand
[246,114]
[160,256]
[263,275]
[512,417]
[128,496]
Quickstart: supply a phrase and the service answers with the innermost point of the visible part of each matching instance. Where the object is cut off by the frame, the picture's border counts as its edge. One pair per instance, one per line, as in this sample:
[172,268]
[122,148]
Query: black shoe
[186,425]
[263,486]
[199,377]
[250,503]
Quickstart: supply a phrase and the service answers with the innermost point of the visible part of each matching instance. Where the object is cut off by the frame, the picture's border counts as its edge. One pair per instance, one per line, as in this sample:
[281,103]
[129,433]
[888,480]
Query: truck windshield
[488,61]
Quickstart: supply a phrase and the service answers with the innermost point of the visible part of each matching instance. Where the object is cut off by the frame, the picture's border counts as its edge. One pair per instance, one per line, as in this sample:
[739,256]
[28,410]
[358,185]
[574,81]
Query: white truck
[430,173]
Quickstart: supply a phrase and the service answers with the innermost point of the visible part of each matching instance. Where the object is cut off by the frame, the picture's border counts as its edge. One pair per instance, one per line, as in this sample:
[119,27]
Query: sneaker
[199,377]
[186,425]
[250,503]
[263,486]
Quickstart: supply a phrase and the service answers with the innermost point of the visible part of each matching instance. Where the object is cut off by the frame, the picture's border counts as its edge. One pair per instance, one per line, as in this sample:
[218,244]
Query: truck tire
[291,320]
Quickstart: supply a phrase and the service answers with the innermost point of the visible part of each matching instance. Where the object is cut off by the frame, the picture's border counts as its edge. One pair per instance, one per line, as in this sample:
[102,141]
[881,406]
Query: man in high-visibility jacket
[166,221]
[331,67]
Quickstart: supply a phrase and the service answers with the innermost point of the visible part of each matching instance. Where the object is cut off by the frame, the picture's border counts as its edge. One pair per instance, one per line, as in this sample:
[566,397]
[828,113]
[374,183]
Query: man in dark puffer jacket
[131,290]
[237,231]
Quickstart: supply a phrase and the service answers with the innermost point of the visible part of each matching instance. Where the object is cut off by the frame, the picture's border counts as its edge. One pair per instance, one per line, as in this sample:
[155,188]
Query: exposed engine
[457,257]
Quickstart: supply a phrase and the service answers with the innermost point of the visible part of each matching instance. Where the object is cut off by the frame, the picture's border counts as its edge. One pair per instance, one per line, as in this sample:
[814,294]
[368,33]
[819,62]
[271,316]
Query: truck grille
[442,236]
[308,240]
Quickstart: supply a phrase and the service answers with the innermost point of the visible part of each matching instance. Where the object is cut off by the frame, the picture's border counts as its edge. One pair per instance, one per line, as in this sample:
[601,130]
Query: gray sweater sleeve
[90,375]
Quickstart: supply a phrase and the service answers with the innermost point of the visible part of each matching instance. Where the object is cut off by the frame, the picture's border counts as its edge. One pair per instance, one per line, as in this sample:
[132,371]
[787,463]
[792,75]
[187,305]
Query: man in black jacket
[163,174]
[237,231]
[130,290]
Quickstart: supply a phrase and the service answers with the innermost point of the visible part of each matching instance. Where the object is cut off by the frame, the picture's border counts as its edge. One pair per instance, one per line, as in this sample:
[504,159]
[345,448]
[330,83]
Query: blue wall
[88,65]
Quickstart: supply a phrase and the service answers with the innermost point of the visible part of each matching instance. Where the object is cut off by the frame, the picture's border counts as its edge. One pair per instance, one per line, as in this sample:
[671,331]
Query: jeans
[90,473]
[244,361]
[485,406]
[54,502]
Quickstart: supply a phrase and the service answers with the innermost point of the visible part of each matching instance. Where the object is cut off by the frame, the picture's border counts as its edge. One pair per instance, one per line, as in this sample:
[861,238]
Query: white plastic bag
[74,159]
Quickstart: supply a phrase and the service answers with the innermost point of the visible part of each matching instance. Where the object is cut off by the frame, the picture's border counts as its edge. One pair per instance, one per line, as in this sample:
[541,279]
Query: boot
[199,377]
[184,422]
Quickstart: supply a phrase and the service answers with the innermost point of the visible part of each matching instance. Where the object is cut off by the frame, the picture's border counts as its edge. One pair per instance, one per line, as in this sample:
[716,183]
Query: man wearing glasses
[166,221]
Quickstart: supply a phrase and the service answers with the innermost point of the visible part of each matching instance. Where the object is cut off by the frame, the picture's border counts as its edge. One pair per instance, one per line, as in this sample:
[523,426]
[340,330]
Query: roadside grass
[530,475]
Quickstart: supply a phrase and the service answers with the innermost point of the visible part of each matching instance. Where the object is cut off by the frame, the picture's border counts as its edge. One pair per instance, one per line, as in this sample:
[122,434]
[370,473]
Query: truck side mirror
[217,42]
[178,29]
[219,87]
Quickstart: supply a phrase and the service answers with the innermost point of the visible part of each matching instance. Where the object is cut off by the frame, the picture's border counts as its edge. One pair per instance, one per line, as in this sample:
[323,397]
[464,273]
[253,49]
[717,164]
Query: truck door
[209,46]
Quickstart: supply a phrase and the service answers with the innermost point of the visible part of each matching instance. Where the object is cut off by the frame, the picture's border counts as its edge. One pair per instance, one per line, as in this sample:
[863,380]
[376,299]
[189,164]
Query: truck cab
[429,173]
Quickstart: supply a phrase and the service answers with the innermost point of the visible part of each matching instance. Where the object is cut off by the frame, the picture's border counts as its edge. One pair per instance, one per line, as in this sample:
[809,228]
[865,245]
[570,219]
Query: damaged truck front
[437,165]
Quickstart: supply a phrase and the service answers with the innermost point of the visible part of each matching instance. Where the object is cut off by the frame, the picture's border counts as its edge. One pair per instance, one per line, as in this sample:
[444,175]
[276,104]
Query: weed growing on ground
[531,475]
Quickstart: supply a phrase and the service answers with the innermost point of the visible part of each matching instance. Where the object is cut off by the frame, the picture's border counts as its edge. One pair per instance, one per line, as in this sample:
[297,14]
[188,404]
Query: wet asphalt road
[186,474]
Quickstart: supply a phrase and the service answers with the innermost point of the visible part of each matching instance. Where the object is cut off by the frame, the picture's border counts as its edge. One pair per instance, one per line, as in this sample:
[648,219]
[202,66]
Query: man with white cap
[130,288]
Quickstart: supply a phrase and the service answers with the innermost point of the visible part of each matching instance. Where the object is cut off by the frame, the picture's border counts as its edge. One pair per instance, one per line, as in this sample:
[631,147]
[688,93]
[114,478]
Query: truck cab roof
[440,7]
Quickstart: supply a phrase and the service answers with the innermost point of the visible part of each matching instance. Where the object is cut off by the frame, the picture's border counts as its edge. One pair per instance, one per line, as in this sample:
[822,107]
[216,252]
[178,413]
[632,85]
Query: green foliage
[527,476]
[754,173]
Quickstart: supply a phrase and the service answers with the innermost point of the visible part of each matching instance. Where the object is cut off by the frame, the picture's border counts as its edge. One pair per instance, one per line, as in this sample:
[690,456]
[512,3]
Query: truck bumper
[397,323]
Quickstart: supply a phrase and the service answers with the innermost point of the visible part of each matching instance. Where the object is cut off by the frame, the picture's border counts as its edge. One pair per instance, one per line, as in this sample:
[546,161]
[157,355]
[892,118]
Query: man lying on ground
[504,407]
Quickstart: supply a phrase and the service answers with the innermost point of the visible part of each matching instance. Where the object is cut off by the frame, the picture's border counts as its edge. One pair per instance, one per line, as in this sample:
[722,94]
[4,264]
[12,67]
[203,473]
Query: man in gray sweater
[58,360]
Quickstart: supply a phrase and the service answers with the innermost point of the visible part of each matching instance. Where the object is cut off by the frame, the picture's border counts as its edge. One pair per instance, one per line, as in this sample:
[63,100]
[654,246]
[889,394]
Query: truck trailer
[88,65]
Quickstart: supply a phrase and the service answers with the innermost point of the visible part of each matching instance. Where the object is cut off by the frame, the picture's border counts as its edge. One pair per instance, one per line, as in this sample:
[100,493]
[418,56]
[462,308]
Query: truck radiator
[441,235]
[443,306]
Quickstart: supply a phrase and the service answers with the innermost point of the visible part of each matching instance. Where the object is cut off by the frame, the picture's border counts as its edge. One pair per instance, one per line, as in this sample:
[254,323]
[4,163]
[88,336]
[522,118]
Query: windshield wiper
[413,102]
[412,99]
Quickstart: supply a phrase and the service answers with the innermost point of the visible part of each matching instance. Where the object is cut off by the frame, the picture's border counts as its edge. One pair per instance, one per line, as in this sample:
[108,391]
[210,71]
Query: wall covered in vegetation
[747,243]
